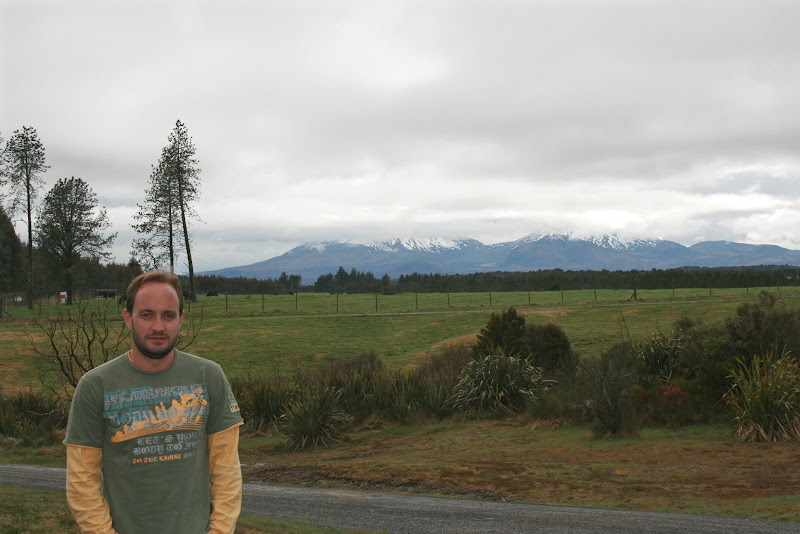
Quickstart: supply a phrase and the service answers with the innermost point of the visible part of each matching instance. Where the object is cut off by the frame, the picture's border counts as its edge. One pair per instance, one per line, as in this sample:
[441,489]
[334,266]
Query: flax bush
[765,398]
[497,383]
[313,419]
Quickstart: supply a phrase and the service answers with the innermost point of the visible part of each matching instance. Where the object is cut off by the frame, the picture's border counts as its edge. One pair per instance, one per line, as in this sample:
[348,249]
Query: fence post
[416,301]
[529,296]
[226,301]
[490,299]
[295,300]
[448,300]
[337,302]
[376,303]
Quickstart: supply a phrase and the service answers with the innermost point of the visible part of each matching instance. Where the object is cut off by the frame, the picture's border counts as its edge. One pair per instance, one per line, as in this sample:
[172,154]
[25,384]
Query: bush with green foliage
[764,326]
[549,348]
[505,332]
[610,379]
[765,397]
[313,419]
[497,383]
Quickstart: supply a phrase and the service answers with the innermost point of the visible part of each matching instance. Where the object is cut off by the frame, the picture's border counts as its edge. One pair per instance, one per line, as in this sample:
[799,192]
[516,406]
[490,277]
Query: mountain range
[544,250]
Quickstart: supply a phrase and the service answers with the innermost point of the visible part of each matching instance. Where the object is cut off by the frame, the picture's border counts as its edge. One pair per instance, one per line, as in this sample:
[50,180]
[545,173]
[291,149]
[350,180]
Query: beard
[153,354]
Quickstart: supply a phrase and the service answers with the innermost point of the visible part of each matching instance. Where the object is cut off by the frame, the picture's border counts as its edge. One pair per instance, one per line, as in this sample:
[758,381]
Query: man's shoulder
[110,366]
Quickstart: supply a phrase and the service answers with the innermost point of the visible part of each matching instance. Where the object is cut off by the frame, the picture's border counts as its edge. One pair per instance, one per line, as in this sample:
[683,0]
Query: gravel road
[414,514]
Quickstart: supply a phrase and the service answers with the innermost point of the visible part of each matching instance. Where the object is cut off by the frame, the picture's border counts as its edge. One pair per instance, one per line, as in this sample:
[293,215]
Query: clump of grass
[765,397]
[497,383]
[313,419]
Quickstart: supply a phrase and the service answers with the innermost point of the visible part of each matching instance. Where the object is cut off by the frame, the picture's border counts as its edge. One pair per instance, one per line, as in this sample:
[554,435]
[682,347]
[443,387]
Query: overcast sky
[362,121]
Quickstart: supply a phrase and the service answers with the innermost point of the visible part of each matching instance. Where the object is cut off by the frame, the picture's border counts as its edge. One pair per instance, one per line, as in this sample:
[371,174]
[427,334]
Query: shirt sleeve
[84,490]
[225,477]
[223,408]
[85,422]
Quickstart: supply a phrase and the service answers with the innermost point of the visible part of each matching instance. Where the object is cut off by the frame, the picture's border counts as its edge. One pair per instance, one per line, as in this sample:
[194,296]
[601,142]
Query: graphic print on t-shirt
[147,410]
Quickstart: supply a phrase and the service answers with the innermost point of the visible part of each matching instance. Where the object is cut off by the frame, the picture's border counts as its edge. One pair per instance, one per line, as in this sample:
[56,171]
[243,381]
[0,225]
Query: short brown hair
[153,276]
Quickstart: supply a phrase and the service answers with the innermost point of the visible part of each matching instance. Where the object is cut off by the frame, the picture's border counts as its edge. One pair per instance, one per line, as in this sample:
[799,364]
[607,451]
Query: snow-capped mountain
[542,250]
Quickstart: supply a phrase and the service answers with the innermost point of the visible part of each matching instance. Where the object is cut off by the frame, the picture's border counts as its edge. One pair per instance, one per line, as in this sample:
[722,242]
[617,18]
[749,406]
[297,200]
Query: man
[152,438]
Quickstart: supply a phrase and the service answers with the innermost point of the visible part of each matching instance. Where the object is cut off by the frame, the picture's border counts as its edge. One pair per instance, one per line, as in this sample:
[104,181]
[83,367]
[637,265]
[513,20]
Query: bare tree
[80,339]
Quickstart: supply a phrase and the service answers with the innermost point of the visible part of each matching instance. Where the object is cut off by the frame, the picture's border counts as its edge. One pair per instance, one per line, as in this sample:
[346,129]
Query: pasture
[255,335]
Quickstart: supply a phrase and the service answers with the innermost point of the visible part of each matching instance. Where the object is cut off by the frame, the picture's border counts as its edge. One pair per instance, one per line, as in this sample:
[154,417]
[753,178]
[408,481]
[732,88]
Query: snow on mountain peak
[433,244]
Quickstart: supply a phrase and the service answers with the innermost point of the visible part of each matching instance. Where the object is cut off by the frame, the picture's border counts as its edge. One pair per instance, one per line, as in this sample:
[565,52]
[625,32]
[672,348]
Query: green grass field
[249,341]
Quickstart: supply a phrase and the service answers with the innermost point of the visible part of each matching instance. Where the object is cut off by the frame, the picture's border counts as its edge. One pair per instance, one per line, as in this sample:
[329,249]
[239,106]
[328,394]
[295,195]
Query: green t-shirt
[153,430]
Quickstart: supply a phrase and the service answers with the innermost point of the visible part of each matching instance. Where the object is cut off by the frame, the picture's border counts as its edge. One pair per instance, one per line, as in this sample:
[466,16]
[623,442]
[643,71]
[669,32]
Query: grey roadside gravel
[402,513]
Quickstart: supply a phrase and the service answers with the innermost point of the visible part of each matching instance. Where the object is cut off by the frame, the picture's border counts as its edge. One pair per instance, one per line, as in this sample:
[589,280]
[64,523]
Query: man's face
[155,321]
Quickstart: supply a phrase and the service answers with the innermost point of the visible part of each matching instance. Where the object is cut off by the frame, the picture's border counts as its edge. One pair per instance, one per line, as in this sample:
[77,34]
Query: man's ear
[126,316]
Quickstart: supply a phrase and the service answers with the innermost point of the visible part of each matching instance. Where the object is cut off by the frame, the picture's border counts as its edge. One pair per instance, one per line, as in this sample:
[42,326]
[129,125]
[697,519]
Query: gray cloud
[369,120]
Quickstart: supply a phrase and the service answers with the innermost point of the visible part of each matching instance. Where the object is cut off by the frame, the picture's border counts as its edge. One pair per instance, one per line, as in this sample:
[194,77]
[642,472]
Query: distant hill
[533,252]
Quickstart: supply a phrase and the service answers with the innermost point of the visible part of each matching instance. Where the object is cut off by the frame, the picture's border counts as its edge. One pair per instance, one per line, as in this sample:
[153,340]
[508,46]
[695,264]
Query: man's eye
[145,315]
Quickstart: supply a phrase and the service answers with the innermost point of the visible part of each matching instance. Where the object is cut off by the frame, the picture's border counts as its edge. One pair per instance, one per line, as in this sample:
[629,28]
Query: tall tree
[25,163]
[12,256]
[71,227]
[156,222]
[164,217]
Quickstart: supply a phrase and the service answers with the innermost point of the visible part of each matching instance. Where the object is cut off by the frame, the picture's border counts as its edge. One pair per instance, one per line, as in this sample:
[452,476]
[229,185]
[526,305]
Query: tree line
[362,282]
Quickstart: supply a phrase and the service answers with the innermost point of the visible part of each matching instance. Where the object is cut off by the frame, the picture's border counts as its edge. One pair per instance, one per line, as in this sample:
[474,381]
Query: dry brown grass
[699,469]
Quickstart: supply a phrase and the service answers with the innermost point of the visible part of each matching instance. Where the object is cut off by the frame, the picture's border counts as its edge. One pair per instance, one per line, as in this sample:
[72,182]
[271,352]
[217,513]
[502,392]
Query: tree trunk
[29,292]
[192,294]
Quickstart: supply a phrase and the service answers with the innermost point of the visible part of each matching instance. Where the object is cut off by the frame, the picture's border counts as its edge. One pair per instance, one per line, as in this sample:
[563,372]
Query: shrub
[765,326]
[609,380]
[765,398]
[550,349]
[355,379]
[33,418]
[313,419]
[438,376]
[497,383]
[669,403]
[262,402]
[505,332]
[659,356]
[393,395]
